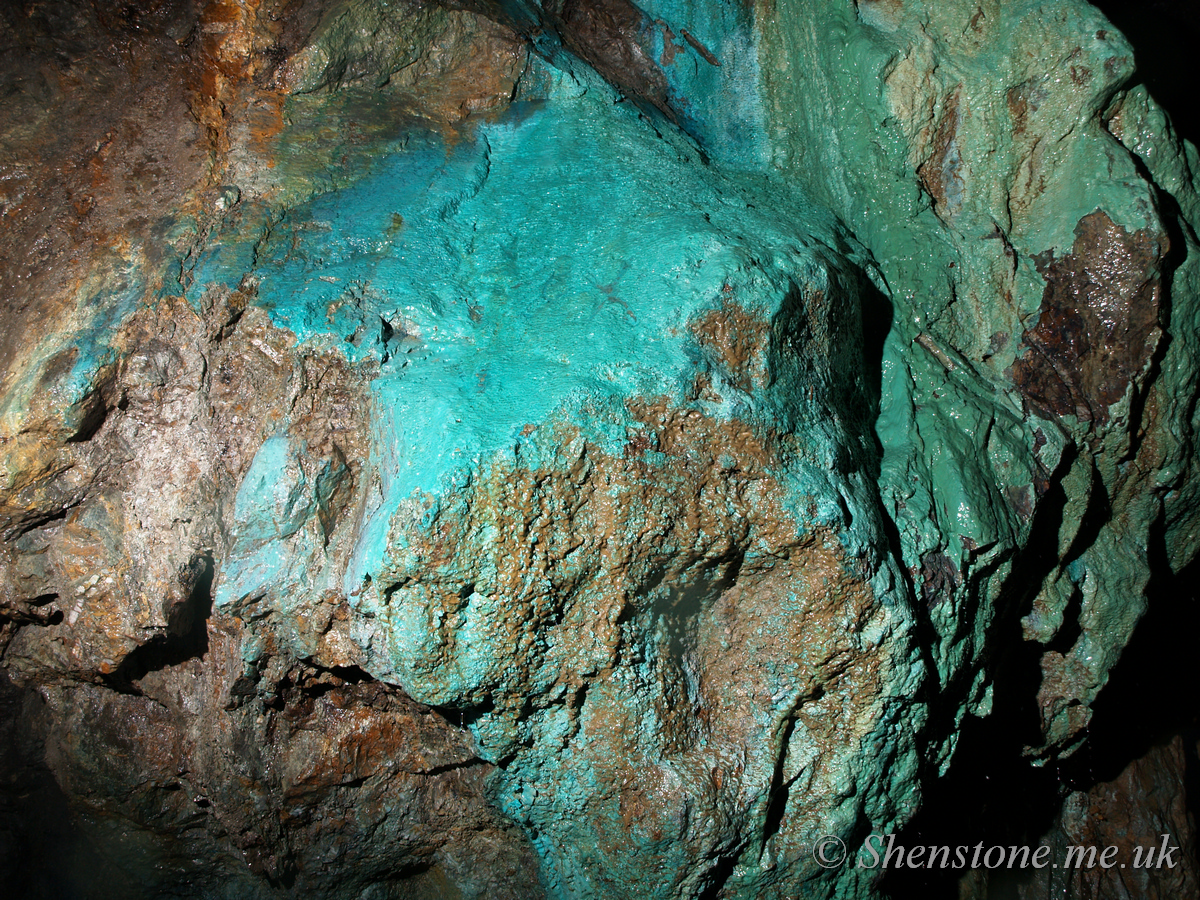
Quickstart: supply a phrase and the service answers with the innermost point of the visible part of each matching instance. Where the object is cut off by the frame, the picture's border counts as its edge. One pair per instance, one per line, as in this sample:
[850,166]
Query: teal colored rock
[620,454]
[589,450]
[960,167]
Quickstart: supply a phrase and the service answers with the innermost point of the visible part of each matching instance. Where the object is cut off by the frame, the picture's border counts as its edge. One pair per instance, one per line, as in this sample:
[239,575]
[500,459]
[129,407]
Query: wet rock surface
[1098,324]
[423,473]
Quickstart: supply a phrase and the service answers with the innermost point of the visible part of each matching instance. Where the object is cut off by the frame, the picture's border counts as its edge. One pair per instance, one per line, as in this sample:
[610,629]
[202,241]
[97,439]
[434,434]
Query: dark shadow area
[466,716]
[1146,701]
[44,853]
[186,637]
[93,415]
[307,681]
[878,314]
[1164,35]
[692,593]
[719,877]
[877,317]
[993,794]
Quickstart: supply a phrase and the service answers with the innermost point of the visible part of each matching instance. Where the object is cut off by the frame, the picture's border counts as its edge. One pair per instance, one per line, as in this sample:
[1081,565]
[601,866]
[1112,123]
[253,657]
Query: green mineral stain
[519,282]
[103,303]
[518,287]
[548,267]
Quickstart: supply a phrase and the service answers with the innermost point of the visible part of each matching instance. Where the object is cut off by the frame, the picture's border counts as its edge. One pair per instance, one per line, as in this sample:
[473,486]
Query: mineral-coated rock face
[620,454]
[1011,270]
[581,449]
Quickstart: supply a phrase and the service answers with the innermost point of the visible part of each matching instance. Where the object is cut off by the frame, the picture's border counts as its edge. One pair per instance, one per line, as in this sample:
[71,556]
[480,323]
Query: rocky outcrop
[427,474]
[976,147]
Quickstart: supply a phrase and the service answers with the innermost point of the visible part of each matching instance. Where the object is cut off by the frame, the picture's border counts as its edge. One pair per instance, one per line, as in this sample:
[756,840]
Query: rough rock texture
[1024,293]
[1132,813]
[426,474]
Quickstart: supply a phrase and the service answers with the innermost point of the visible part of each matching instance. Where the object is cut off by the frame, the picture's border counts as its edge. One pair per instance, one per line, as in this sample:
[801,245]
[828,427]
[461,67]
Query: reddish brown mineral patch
[609,35]
[571,548]
[333,760]
[708,55]
[83,170]
[1098,324]
[777,649]
[1019,105]
[670,48]
[752,640]
[476,70]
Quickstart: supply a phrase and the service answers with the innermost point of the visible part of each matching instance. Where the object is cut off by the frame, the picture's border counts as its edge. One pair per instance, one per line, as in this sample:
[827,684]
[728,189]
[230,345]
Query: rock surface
[569,449]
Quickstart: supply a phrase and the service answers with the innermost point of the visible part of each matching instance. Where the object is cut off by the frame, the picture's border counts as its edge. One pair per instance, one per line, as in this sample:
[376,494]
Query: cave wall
[501,449]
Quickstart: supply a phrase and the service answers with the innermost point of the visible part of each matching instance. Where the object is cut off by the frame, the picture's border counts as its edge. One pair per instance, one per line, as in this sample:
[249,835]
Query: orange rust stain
[738,338]
[932,172]
[267,123]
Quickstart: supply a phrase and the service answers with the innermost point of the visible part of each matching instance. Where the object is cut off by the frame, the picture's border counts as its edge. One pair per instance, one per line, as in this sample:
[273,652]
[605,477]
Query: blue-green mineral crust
[615,385]
[691,402]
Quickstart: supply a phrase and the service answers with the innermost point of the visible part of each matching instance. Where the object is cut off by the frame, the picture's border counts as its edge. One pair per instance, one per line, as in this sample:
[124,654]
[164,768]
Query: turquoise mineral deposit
[550,288]
[544,297]
[687,406]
